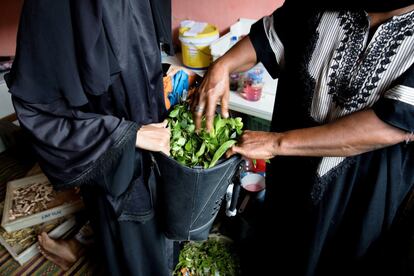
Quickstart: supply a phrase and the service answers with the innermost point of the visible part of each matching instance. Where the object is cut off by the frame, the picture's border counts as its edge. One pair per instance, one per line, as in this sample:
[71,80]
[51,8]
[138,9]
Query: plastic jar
[253,84]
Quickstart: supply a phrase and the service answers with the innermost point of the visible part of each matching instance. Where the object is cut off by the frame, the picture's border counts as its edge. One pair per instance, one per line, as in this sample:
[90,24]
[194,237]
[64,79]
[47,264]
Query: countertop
[262,109]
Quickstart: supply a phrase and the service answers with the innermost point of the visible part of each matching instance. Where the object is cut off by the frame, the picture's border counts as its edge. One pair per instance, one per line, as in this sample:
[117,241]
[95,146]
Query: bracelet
[409,137]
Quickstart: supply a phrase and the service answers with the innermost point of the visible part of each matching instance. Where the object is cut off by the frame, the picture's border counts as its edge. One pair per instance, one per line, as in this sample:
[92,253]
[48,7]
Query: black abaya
[334,213]
[87,75]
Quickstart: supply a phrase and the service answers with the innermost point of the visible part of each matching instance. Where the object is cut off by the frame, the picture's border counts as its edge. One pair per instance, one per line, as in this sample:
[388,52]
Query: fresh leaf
[200,152]
[198,149]
[191,128]
[221,150]
[174,113]
[183,123]
[219,124]
[188,146]
[181,141]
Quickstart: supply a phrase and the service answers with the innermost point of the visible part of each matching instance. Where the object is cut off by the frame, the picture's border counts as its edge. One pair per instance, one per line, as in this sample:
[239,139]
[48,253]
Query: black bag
[190,198]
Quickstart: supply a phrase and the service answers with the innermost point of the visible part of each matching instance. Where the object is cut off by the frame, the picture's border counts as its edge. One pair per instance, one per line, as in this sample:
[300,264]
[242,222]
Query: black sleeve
[264,52]
[76,147]
[284,34]
[396,107]
[268,37]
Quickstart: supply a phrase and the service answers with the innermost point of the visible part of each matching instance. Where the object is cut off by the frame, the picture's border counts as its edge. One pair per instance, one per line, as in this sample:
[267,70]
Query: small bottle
[234,81]
[253,84]
[234,77]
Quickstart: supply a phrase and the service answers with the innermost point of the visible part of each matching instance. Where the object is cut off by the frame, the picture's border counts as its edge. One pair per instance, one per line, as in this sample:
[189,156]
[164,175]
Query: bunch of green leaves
[203,148]
[207,258]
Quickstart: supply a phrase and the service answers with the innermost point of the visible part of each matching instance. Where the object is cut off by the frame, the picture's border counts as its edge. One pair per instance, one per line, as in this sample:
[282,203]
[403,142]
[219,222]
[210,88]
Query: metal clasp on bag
[232,194]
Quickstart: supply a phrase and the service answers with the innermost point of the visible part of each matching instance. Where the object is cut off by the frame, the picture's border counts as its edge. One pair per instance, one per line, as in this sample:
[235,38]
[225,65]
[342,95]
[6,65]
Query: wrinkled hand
[214,88]
[154,137]
[255,145]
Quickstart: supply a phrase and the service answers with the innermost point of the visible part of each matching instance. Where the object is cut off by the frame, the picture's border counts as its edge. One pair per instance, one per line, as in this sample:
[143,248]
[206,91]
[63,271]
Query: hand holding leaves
[154,137]
[203,148]
[256,145]
[213,89]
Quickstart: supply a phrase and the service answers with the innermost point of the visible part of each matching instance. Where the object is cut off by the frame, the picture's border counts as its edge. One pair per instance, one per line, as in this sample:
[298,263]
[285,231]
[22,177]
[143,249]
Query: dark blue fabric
[127,247]
[180,84]
[46,65]
[398,113]
[87,75]
[103,76]
[74,146]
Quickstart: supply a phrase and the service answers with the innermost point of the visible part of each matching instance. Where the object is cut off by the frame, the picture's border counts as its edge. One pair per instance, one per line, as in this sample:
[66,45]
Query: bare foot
[56,260]
[63,253]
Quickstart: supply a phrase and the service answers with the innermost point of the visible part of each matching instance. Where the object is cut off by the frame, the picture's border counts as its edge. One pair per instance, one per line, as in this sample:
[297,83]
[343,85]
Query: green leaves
[202,149]
[181,141]
[207,258]
[174,113]
[221,150]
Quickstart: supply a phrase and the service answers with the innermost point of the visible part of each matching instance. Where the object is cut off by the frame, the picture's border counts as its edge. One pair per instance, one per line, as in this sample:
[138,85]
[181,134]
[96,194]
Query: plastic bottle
[253,84]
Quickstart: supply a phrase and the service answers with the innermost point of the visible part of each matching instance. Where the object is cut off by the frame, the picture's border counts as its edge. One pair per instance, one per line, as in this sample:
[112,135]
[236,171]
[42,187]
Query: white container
[223,44]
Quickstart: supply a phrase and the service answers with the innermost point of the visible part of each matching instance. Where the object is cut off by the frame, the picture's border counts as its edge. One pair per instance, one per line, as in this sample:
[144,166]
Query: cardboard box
[24,254]
[64,203]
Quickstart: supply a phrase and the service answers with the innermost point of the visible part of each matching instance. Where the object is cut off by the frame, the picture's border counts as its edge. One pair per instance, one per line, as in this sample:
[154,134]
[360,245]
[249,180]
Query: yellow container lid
[209,31]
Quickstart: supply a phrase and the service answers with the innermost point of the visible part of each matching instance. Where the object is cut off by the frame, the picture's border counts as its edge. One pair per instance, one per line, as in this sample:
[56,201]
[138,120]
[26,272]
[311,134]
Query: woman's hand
[213,89]
[154,137]
[256,145]
[215,86]
[350,135]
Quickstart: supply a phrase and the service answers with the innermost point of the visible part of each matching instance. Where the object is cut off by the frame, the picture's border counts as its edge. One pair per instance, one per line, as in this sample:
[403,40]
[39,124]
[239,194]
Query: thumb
[162,124]
[230,152]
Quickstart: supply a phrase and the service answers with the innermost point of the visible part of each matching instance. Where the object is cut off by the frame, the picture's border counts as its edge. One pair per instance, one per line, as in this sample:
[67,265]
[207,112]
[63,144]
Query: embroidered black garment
[332,212]
[353,64]
[367,5]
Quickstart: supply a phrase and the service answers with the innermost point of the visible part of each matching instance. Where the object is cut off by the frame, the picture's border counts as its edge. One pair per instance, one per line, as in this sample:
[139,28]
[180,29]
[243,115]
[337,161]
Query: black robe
[334,218]
[86,76]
